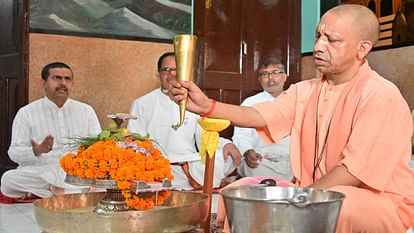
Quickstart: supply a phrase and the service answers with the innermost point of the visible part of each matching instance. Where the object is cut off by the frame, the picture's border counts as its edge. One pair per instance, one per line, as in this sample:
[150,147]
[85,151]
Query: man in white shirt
[261,159]
[40,133]
[156,113]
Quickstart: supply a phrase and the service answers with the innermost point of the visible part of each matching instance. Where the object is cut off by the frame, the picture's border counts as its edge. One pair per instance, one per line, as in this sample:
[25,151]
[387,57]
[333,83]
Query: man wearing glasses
[156,113]
[261,159]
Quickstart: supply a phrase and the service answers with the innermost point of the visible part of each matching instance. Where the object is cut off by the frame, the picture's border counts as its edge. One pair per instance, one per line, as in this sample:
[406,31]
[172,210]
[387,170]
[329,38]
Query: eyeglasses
[167,70]
[266,74]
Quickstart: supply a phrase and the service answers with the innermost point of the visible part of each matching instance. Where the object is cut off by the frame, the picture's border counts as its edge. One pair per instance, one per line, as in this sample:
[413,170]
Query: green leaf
[112,125]
[137,136]
[105,134]
[120,136]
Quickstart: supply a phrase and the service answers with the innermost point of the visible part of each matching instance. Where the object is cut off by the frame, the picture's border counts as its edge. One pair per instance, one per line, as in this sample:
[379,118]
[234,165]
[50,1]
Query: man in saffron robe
[350,130]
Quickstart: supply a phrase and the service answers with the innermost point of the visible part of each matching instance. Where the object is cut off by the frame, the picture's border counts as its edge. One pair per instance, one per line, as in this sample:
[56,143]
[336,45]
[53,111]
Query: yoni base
[112,201]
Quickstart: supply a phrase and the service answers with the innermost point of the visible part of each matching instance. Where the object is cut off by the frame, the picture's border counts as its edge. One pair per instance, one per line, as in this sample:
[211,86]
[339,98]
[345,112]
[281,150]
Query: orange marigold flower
[104,158]
[124,184]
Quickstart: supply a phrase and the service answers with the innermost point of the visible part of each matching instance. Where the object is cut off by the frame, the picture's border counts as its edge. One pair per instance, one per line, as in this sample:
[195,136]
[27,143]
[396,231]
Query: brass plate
[73,213]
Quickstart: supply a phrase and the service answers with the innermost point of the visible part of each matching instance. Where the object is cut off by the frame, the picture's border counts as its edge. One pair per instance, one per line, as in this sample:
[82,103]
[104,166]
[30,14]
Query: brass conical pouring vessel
[184,49]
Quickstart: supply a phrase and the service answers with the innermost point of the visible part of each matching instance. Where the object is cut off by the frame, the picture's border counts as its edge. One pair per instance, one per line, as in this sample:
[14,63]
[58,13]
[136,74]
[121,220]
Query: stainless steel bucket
[261,209]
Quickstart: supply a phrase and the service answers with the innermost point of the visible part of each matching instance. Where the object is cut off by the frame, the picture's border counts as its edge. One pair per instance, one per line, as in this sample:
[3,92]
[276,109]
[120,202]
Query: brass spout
[182,114]
[184,49]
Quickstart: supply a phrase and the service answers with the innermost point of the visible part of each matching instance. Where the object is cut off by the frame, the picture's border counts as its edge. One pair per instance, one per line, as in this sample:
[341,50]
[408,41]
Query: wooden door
[14,63]
[271,29]
[220,62]
[235,36]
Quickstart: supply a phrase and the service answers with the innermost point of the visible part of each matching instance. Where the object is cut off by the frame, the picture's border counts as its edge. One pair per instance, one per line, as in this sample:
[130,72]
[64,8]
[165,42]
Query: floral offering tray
[136,186]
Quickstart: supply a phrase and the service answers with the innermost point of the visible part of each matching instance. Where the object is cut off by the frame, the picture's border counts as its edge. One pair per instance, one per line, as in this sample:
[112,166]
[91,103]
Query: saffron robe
[370,134]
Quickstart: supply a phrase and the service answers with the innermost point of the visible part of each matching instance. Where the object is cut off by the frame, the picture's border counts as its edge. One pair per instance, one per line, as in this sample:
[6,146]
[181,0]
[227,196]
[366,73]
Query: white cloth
[276,163]
[156,113]
[35,121]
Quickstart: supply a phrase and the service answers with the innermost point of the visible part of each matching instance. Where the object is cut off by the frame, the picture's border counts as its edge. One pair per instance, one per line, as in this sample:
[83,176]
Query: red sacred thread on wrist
[211,109]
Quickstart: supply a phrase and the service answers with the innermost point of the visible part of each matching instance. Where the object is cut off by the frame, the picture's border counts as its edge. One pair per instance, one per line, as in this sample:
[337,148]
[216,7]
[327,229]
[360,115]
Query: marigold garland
[117,160]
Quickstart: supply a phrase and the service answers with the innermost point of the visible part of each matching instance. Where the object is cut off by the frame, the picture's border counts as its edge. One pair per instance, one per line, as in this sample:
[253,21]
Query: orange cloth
[370,134]
[412,138]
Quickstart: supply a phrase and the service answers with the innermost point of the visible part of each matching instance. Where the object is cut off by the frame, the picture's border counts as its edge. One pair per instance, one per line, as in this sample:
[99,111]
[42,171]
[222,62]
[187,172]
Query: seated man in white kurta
[39,134]
[156,113]
[261,159]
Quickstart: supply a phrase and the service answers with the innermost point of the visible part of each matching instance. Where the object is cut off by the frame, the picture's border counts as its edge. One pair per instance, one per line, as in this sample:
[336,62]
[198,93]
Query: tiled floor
[19,218]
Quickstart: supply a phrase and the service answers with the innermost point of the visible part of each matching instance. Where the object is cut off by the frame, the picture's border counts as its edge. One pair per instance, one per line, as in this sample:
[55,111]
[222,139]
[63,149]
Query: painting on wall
[153,20]
[396,18]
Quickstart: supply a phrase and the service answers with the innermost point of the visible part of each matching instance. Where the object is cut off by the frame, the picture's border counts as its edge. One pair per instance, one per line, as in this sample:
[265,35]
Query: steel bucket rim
[225,194]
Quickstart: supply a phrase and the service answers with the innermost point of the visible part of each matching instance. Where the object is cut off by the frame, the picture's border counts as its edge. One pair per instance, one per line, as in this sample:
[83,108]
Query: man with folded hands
[40,133]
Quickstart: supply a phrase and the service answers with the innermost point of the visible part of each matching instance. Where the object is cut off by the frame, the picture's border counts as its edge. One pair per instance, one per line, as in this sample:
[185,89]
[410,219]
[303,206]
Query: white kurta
[277,162]
[156,113]
[35,121]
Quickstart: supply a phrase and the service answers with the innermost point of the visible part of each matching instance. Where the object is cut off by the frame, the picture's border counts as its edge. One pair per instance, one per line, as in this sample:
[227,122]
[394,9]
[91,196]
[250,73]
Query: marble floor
[19,218]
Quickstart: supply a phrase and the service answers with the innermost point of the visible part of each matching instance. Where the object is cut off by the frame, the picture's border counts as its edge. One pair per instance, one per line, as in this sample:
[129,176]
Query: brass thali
[73,213]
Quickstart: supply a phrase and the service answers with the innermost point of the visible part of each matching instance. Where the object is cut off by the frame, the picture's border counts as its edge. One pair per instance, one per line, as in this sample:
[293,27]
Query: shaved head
[345,35]
[364,21]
